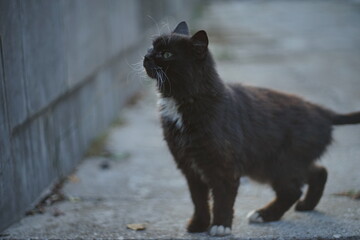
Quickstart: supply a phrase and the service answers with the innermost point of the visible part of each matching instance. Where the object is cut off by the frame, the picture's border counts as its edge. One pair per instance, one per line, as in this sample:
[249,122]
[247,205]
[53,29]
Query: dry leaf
[122,156]
[74,199]
[351,194]
[136,226]
[73,179]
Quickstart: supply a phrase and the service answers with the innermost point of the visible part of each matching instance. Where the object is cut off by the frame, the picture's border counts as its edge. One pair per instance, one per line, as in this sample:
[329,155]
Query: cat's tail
[349,118]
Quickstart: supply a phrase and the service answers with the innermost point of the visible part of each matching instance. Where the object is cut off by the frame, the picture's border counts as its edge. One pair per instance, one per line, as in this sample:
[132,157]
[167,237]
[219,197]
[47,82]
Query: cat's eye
[167,55]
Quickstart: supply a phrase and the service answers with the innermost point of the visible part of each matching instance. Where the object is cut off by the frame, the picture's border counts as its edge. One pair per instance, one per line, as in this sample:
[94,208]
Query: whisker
[134,66]
[158,82]
[159,30]
[162,80]
[166,78]
[137,71]
[161,83]
[155,23]
[165,24]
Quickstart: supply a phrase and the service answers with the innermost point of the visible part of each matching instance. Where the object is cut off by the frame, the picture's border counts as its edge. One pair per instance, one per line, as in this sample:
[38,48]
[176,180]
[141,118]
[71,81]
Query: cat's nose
[147,60]
[148,57]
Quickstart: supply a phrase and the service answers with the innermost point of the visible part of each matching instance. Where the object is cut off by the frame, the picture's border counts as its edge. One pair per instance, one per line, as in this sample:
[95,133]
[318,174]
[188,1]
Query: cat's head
[176,60]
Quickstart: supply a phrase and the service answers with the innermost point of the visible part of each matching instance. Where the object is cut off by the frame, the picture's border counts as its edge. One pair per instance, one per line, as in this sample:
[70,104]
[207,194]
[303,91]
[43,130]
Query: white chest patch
[169,110]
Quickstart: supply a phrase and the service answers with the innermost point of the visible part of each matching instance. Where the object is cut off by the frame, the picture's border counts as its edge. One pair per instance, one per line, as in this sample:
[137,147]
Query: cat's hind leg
[287,193]
[199,191]
[317,177]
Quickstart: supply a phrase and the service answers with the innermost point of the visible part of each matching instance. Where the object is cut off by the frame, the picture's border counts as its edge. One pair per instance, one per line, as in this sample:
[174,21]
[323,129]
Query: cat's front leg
[199,191]
[224,192]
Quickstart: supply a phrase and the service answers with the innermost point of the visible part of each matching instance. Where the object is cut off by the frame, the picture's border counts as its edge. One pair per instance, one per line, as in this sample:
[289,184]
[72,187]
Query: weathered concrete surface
[310,48]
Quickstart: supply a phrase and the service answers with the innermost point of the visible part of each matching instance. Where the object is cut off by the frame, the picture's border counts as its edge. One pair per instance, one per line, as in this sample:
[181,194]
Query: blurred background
[69,69]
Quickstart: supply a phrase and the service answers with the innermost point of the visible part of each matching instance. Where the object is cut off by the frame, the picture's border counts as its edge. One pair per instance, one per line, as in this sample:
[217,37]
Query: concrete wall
[64,76]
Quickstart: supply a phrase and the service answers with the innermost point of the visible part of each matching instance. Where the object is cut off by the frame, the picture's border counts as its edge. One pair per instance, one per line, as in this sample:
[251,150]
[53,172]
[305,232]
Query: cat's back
[273,103]
[277,116]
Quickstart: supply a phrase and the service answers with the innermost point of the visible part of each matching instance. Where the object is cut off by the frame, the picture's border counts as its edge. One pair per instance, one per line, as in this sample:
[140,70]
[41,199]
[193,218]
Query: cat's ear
[200,43]
[182,28]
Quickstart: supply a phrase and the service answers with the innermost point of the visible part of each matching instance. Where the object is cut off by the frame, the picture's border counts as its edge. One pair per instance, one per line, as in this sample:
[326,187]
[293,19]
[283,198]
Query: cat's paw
[301,206]
[219,230]
[263,216]
[197,224]
[255,217]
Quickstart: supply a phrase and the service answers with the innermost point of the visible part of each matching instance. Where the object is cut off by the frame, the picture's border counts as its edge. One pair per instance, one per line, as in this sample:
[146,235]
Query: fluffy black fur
[219,132]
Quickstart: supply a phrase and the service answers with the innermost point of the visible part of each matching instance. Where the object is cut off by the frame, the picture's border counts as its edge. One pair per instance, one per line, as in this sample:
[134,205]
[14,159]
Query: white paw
[219,230]
[254,217]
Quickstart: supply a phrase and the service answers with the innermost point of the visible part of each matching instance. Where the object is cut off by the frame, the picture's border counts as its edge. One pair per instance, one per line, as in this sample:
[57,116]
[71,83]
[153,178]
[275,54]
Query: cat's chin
[149,68]
[151,73]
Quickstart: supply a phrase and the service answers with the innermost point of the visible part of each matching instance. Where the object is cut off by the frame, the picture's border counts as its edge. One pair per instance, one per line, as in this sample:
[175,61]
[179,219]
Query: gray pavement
[310,48]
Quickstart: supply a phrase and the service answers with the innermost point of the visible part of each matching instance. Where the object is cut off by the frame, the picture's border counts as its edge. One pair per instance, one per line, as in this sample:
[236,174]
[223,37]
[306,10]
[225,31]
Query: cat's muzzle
[150,66]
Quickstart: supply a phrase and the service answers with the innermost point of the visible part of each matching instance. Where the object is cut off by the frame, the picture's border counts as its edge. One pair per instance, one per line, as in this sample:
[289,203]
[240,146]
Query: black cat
[219,132]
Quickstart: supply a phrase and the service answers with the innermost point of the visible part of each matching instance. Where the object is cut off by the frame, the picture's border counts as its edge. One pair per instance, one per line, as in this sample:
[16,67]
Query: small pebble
[58,213]
[105,165]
